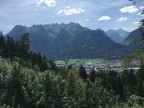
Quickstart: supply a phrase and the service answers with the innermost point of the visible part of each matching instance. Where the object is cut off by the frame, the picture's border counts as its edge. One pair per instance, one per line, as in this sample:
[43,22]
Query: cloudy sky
[94,14]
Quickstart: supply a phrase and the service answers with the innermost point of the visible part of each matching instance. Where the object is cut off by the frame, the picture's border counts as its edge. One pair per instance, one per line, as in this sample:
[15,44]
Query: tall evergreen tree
[141,88]
[92,75]
[44,66]
[82,72]
[132,82]
[52,65]
[120,88]
[24,45]
[2,44]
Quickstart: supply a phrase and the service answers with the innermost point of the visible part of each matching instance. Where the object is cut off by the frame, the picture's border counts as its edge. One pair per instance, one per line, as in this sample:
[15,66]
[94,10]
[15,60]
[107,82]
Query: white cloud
[87,19]
[46,3]
[71,11]
[122,19]
[102,18]
[129,9]
[140,14]
[141,7]
[136,22]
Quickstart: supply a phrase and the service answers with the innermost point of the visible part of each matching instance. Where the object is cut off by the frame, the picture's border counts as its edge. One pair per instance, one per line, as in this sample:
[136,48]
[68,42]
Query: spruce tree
[24,45]
[120,88]
[2,45]
[82,72]
[132,82]
[92,75]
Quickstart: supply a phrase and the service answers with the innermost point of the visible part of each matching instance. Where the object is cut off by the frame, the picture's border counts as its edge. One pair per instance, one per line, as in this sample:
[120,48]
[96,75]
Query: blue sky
[94,14]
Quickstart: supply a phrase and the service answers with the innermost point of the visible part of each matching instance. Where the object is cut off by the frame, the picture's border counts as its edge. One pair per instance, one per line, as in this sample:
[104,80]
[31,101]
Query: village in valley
[99,64]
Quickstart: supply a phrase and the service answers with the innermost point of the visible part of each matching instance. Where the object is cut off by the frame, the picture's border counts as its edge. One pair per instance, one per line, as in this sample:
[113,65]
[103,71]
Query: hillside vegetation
[29,80]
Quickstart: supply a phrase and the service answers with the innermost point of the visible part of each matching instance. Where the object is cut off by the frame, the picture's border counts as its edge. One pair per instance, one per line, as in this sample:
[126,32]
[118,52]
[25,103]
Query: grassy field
[79,61]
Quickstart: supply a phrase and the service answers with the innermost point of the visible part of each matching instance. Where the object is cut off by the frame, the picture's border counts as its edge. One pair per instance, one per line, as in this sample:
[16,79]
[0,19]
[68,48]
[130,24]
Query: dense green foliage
[28,80]
[20,50]
[30,88]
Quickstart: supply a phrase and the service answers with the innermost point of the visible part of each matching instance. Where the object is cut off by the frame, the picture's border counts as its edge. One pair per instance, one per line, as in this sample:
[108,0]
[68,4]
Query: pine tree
[141,88]
[132,82]
[24,45]
[120,88]
[39,60]
[2,45]
[92,75]
[44,66]
[82,73]
[53,65]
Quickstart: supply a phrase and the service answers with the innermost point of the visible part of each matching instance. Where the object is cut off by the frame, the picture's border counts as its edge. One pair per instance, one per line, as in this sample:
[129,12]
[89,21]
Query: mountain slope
[62,41]
[117,35]
[133,36]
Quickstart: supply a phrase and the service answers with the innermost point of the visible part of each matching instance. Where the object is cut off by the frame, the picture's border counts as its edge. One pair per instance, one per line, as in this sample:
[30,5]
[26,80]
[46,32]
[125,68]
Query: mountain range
[63,41]
[117,35]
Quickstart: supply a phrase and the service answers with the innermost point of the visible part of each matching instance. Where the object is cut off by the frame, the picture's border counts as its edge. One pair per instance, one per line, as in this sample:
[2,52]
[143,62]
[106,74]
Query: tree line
[9,48]
[30,80]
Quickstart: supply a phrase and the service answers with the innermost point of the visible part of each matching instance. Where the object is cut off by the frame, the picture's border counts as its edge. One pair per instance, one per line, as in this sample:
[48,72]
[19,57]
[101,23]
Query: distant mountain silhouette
[62,41]
[117,35]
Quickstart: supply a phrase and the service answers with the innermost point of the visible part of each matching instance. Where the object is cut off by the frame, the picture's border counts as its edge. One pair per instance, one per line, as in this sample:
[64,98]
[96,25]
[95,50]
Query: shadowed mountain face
[117,36]
[135,35]
[62,41]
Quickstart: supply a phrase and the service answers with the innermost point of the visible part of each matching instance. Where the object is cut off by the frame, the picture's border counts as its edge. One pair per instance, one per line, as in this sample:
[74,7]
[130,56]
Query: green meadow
[79,61]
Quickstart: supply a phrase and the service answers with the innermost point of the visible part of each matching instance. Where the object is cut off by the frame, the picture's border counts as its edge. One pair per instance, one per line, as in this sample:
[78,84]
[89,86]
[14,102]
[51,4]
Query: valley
[98,64]
[73,44]
[71,53]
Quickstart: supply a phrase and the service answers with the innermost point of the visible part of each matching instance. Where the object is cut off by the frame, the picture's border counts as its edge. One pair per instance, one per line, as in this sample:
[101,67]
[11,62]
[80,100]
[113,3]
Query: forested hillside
[65,31]
[135,35]
[13,50]
[29,80]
